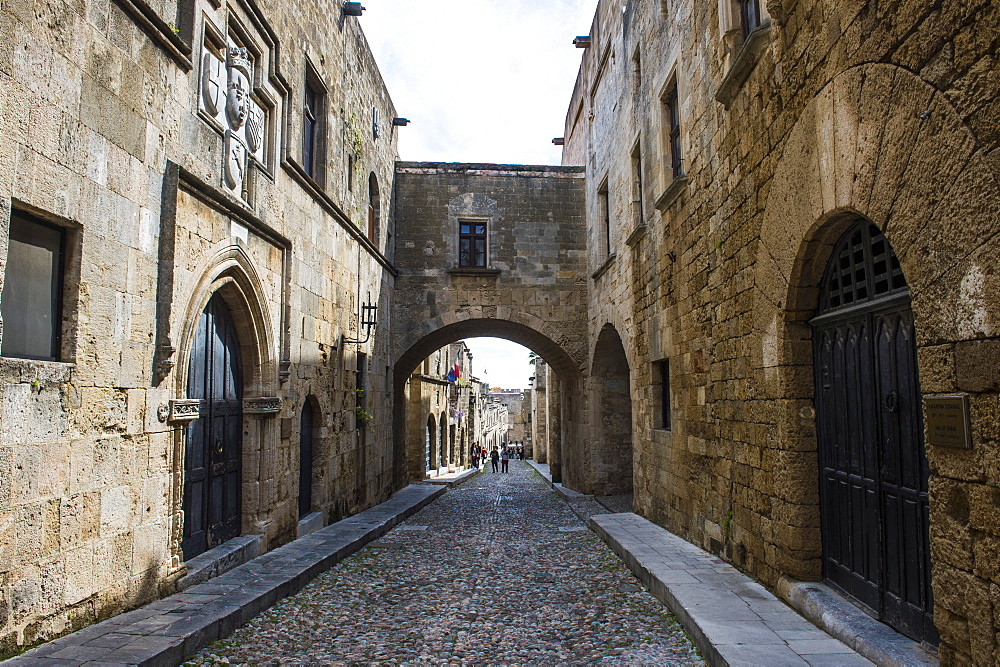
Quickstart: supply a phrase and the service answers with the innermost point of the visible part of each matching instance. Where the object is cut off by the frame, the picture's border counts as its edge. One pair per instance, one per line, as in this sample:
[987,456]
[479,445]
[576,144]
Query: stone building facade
[793,232]
[776,221]
[194,207]
[442,413]
[513,399]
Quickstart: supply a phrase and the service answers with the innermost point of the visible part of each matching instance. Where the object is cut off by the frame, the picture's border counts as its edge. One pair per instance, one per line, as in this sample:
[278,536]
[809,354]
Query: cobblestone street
[498,570]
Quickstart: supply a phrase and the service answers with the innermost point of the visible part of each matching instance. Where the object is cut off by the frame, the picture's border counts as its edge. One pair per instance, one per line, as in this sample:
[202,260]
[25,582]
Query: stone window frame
[315,89]
[674,178]
[65,328]
[637,185]
[742,45]
[485,236]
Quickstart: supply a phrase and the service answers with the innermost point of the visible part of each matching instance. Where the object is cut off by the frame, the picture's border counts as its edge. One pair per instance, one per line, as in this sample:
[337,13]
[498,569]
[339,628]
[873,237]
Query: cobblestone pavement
[499,570]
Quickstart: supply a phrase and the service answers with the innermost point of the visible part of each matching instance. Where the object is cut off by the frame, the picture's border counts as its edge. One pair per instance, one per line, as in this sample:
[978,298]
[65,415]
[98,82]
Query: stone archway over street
[493,250]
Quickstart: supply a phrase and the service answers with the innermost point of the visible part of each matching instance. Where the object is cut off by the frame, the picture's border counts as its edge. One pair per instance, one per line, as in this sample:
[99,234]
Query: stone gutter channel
[733,619]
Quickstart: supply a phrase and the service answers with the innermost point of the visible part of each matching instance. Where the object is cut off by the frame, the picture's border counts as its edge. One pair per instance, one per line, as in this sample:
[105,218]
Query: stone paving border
[733,619]
[167,631]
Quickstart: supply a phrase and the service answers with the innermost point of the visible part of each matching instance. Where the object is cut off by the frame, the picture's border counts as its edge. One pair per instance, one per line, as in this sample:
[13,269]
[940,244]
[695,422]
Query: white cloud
[481,81]
[500,362]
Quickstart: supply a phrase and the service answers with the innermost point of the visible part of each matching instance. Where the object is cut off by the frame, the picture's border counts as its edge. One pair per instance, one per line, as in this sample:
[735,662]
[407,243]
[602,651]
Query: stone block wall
[110,129]
[833,110]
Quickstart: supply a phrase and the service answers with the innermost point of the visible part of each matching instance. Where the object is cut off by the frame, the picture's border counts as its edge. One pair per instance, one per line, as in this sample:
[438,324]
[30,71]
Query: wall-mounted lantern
[559,141]
[581,42]
[400,122]
[367,321]
[353,9]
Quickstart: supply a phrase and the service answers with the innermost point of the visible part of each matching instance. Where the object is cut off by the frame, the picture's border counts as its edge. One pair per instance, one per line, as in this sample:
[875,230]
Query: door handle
[891,401]
[218,445]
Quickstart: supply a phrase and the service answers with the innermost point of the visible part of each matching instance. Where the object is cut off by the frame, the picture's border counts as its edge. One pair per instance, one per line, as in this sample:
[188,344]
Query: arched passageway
[611,407]
[410,452]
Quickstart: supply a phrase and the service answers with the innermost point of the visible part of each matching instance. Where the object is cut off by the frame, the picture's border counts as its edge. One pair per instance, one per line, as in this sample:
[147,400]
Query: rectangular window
[32,290]
[313,126]
[605,213]
[665,415]
[637,184]
[350,172]
[673,118]
[472,243]
[749,15]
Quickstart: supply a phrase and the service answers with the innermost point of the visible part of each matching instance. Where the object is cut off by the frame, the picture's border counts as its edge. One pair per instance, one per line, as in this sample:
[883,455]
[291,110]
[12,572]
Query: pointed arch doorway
[873,468]
[213,443]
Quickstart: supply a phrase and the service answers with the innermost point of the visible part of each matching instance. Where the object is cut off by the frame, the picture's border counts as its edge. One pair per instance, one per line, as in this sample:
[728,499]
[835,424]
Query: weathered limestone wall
[885,110]
[105,131]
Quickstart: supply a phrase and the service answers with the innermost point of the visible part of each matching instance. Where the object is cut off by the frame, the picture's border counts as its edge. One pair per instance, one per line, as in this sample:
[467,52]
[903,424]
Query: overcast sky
[480,81]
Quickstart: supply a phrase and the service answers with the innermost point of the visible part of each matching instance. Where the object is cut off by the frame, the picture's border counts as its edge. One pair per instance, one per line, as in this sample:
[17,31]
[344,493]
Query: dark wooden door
[213,443]
[873,469]
[305,460]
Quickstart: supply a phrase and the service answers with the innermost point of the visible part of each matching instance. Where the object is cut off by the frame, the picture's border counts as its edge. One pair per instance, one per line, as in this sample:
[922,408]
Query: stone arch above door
[880,143]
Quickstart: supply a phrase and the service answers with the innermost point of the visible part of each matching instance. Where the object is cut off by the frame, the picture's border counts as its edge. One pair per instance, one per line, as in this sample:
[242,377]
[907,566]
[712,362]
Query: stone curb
[872,639]
[733,619]
[167,631]
[451,480]
[569,495]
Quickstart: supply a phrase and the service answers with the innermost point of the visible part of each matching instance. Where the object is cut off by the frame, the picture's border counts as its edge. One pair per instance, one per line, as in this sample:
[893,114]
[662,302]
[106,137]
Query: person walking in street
[495,460]
[505,460]
[474,453]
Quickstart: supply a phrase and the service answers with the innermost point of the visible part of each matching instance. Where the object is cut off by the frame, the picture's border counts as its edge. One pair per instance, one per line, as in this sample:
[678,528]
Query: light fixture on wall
[582,42]
[353,9]
[400,122]
[369,316]
[559,141]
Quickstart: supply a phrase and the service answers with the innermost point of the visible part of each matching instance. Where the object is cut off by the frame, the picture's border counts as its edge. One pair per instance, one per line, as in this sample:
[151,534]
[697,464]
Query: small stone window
[374,208]
[672,118]
[749,16]
[31,302]
[313,126]
[472,243]
[666,416]
[604,210]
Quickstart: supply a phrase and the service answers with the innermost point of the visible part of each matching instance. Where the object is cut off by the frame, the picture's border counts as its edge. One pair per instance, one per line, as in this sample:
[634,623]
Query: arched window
[374,209]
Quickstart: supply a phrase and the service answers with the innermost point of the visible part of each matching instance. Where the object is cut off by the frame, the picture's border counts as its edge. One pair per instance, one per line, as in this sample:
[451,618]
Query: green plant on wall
[356,144]
[362,415]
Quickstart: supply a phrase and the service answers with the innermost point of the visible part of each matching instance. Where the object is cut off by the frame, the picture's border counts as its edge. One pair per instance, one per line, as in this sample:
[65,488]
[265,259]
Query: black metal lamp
[369,317]
[581,42]
[400,122]
[353,9]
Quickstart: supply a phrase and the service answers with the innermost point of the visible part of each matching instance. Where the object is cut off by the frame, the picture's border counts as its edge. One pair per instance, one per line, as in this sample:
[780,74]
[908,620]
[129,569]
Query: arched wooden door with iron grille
[873,469]
[213,443]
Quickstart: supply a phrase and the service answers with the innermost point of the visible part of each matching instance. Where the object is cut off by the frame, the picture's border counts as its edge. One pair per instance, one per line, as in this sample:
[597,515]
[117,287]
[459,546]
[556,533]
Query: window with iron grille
[472,243]
[33,289]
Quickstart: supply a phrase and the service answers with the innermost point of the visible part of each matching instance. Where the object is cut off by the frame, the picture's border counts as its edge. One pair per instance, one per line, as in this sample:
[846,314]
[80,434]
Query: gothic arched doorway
[429,439]
[873,469]
[611,408]
[213,443]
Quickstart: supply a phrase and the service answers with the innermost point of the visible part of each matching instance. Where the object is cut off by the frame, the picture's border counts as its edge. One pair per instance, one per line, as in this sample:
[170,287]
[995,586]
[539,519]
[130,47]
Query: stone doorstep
[732,618]
[851,625]
[168,630]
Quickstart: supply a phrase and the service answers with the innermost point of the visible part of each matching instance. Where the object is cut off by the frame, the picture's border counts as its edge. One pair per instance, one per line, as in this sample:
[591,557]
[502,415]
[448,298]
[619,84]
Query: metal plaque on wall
[948,421]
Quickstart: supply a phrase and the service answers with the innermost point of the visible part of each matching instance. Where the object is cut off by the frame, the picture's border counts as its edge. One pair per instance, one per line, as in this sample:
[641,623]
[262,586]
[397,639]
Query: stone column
[554,425]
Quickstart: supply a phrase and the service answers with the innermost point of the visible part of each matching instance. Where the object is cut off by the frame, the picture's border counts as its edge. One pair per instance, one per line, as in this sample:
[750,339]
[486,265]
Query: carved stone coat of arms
[226,96]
